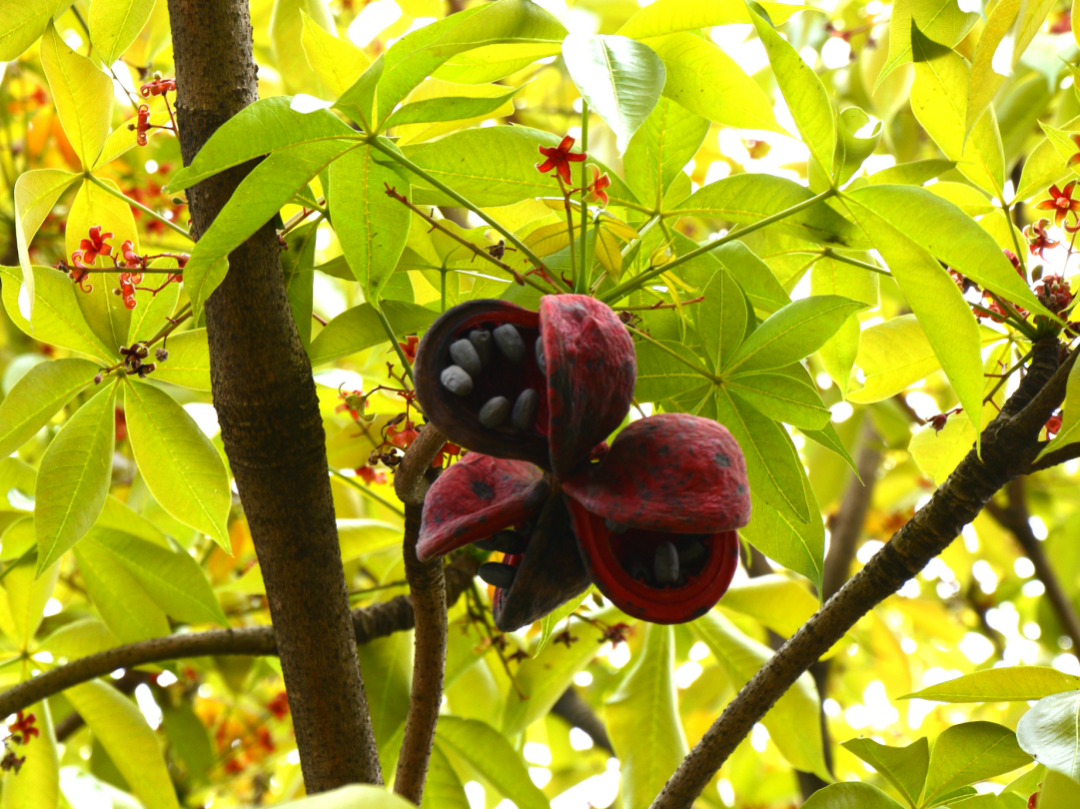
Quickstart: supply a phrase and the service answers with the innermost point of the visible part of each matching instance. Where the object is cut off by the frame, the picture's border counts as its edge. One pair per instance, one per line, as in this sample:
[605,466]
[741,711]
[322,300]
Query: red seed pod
[539,386]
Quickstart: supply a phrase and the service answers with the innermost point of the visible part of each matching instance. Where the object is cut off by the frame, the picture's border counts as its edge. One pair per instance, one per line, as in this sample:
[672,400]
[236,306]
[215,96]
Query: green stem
[378,143]
[696,368]
[1014,319]
[854,262]
[393,339]
[640,280]
[1012,232]
[581,283]
[25,557]
[570,229]
[364,490]
[121,195]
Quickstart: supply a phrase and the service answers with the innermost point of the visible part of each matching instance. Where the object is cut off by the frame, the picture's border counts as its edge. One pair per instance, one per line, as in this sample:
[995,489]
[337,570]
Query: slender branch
[370,623]
[148,211]
[1014,518]
[642,278]
[1009,443]
[581,283]
[828,252]
[379,144]
[393,339]
[428,590]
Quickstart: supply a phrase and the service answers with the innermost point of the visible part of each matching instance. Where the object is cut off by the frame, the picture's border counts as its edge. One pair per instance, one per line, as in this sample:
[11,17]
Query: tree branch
[271,426]
[1014,518]
[1009,444]
[429,606]
[370,623]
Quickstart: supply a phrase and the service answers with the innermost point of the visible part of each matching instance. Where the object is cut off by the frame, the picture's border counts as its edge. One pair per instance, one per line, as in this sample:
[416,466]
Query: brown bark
[1009,445]
[266,403]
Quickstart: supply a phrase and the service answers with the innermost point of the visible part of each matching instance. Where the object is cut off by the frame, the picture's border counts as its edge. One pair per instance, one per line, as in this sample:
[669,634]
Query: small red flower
[1053,424]
[266,741]
[404,437]
[94,246]
[1033,799]
[234,766]
[132,260]
[449,450]
[1038,239]
[598,187]
[158,87]
[23,728]
[938,422]
[1053,292]
[279,705]
[408,348]
[79,272]
[121,425]
[617,633]
[143,125]
[370,476]
[559,158]
[1060,202]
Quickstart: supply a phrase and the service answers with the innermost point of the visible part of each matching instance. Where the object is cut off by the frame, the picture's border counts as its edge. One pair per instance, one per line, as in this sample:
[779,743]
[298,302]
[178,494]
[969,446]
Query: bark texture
[266,403]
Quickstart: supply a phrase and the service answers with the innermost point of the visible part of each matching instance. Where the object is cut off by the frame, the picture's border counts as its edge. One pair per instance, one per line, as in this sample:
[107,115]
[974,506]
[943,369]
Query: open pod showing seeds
[652,523]
[543,386]
[655,519]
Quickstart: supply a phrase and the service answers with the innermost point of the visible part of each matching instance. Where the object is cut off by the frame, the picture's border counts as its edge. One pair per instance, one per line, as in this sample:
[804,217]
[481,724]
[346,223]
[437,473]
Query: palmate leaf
[372,226]
[804,93]
[74,477]
[621,80]
[179,464]
[39,396]
[82,94]
[114,25]
[263,127]
[643,719]
[705,80]
[968,753]
[121,729]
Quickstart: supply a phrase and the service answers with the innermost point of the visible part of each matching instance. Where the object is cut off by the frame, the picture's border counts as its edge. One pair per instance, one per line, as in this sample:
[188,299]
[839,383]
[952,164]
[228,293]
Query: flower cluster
[133,360]
[20,732]
[157,87]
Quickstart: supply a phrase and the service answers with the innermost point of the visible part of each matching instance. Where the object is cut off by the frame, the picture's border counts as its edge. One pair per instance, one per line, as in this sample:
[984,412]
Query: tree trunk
[269,414]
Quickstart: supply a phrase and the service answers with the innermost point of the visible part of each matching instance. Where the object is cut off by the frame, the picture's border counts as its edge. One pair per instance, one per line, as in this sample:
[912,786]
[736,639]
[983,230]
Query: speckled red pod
[671,472]
[585,389]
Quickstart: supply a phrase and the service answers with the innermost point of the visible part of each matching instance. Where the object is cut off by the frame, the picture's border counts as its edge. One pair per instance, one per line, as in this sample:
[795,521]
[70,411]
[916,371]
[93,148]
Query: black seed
[482,490]
[497,574]
[525,408]
[455,380]
[691,550]
[616,527]
[494,412]
[464,354]
[504,542]
[509,341]
[481,341]
[540,355]
[666,564]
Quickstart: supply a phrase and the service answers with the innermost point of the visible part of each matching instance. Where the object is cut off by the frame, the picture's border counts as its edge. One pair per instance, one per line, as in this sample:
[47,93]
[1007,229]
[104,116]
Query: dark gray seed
[456,381]
[540,355]
[481,341]
[497,574]
[616,527]
[524,415]
[666,564]
[691,551]
[509,341]
[504,542]
[464,354]
[494,412]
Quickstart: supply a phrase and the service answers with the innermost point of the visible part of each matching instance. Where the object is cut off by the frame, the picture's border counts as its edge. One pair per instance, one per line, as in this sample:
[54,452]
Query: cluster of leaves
[775,292]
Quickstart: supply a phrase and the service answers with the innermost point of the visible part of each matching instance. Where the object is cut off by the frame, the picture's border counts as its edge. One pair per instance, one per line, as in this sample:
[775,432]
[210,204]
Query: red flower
[408,348]
[1060,202]
[95,246]
[121,425]
[597,188]
[1053,424]
[266,741]
[404,437]
[79,272]
[132,260]
[23,728]
[1054,293]
[143,125]
[279,705]
[369,475]
[449,450]
[559,158]
[10,761]
[158,87]
[1037,238]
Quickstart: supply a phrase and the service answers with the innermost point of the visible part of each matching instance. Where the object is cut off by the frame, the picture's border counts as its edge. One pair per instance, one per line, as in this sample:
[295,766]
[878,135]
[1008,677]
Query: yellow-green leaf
[337,62]
[83,95]
[114,25]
